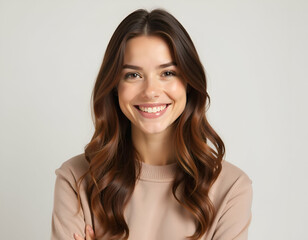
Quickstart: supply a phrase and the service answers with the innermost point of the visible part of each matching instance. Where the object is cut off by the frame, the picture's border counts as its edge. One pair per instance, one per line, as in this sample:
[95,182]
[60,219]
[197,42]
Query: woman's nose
[152,88]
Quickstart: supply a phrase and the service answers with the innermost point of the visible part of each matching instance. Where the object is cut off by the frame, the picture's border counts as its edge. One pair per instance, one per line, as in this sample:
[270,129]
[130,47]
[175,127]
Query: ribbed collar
[158,173]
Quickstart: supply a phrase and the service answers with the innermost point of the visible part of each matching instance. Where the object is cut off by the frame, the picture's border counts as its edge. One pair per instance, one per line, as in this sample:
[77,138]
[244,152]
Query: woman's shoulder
[66,217]
[231,180]
[232,173]
[73,168]
[231,195]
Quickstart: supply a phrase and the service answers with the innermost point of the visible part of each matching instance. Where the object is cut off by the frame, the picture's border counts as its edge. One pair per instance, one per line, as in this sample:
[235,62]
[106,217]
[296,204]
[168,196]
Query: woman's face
[151,93]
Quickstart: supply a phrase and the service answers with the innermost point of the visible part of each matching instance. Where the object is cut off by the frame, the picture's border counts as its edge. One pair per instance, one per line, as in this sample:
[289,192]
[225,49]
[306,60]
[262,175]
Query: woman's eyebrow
[167,65]
[131,67]
[140,68]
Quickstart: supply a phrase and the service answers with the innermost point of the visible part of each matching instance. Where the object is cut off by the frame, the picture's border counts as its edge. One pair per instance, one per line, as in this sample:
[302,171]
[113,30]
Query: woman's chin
[153,129]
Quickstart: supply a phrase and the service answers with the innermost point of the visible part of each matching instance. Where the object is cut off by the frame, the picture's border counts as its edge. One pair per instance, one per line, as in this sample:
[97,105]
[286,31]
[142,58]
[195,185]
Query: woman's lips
[152,110]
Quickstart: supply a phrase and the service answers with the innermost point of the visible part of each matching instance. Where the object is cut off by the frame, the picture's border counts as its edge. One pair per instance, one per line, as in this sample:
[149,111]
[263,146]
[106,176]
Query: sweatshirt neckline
[157,173]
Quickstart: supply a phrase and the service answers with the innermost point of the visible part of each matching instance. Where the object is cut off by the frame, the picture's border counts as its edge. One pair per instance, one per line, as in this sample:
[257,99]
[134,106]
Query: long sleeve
[152,212]
[235,216]
[66,219]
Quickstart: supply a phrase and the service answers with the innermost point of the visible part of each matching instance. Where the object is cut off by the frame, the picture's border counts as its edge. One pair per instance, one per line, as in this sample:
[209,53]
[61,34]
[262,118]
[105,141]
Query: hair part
[113,166]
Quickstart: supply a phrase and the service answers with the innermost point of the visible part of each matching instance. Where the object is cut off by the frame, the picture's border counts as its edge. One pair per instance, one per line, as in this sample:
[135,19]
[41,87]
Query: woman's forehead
[143,50]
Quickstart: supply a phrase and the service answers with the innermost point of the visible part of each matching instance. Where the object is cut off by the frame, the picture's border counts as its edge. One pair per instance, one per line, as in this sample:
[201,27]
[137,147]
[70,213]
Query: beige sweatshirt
[152,213]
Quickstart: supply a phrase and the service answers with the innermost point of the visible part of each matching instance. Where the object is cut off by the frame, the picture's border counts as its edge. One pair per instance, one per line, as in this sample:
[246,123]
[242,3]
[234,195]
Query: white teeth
[152,110]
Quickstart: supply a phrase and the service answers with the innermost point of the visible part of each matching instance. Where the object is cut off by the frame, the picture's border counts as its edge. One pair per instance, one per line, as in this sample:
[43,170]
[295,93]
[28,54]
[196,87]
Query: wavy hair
[113,169]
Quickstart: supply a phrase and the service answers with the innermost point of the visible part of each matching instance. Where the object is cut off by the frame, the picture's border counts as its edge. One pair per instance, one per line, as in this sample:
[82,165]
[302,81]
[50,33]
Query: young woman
[154,168]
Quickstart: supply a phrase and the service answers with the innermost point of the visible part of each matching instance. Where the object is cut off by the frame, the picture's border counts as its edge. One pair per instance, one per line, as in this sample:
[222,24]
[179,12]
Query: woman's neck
[154,149]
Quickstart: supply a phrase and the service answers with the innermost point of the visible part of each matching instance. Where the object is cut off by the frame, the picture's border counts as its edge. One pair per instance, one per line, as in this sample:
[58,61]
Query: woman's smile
[152,110]
[151,92]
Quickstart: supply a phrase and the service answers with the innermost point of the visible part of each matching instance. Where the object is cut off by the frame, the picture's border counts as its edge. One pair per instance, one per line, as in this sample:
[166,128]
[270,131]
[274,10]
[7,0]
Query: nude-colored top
[153,213]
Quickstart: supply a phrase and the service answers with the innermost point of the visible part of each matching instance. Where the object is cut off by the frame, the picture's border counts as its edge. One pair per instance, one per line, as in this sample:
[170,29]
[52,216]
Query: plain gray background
[255,56]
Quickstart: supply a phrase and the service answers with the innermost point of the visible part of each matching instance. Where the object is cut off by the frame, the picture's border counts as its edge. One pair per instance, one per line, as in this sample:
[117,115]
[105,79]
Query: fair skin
[152,96]
[89,234]
[151,79]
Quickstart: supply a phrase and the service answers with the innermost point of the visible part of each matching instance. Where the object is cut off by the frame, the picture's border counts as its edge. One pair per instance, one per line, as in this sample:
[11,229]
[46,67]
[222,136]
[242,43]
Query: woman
[149,171]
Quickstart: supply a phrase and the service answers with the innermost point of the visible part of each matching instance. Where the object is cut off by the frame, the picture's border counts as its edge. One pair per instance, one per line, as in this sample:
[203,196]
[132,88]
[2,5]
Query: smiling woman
[155,96]
[149,171]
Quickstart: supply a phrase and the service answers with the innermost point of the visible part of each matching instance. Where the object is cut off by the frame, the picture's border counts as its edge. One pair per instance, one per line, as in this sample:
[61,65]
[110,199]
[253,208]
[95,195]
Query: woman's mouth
[152,110]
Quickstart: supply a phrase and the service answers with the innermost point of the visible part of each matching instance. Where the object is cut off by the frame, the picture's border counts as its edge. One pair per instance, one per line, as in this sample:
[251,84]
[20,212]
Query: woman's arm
[236,215]
[66,219]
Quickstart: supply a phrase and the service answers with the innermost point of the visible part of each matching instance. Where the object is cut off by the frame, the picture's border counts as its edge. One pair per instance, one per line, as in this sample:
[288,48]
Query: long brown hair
[113,169]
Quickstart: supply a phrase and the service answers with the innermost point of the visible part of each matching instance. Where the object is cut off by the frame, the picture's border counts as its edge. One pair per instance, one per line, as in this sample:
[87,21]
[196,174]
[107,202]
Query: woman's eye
[131,75]
[169,73]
